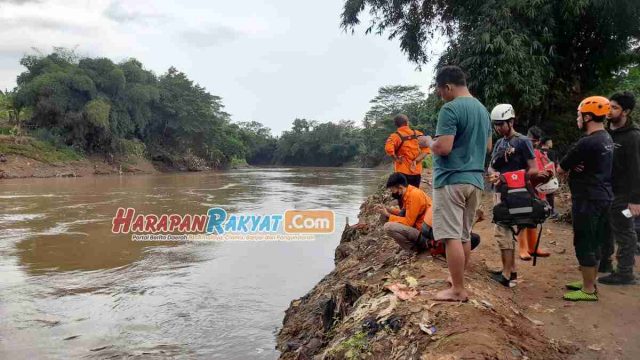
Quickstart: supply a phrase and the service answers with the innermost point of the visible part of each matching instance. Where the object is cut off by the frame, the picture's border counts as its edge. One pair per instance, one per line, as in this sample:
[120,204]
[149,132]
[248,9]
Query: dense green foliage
[97,106]
[542,56]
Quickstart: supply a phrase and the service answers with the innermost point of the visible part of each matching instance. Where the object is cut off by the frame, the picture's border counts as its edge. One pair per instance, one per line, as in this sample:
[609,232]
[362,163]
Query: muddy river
[70,288]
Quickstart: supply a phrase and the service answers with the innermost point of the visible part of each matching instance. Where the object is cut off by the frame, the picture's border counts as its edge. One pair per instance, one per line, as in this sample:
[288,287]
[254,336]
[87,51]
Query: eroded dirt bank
[352,314]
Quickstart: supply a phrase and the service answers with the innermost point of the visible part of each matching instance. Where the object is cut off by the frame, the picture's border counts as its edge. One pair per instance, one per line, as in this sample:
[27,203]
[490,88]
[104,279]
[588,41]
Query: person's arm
[532,168]
[393,141]
[571,160]
[446,130]
[529,153]
[412,210]
[442,145]
[489,144]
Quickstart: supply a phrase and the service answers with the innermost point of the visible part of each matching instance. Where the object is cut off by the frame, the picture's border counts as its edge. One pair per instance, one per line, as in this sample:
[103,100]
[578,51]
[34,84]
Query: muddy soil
[17,166]
[352,314]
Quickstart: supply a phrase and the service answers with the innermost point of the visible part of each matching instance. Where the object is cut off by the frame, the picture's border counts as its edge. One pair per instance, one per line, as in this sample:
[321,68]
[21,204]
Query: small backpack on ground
[427,242]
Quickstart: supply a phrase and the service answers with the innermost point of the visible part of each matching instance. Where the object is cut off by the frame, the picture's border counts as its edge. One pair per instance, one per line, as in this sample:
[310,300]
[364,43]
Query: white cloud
[271,61]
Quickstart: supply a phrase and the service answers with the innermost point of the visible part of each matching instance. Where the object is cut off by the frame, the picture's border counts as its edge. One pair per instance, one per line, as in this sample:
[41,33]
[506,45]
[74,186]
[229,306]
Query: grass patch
[37,150]
[354,348]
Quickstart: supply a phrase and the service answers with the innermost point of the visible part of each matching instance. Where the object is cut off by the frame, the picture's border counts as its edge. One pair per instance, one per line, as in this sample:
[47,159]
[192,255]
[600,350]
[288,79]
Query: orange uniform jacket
[416,203]
[408,152]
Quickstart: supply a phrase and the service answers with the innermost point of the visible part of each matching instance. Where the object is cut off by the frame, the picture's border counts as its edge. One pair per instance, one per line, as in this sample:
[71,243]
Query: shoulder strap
[405,138]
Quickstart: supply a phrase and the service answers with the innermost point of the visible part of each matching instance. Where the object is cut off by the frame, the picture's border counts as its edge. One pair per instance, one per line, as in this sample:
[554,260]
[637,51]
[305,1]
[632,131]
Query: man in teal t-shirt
[463,137]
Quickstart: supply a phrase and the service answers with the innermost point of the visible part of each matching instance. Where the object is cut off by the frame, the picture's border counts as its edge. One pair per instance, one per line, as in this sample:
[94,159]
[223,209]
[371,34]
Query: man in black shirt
[591,193]
[626,190]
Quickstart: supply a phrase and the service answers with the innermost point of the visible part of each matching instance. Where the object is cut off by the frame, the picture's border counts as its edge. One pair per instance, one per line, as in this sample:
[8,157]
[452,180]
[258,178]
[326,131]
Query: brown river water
[70,288]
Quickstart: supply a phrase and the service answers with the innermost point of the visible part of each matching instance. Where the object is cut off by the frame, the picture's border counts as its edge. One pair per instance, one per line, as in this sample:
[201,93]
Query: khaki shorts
[454,210]
[502,234]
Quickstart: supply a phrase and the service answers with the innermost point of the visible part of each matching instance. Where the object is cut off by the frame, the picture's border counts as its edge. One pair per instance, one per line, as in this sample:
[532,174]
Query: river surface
[70,288]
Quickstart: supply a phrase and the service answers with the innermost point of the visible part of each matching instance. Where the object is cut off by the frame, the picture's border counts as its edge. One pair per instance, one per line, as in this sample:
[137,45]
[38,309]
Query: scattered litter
[411,281]
[487,304]
[403,292]
[595,347]
[562,251]
[296,303]
[395,272]
[535,322]
[386,312]
[429,330]
[552,242]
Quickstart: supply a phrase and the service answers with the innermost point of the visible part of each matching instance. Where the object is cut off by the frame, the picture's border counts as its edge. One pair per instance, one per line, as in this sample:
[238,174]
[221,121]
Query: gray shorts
[454,210]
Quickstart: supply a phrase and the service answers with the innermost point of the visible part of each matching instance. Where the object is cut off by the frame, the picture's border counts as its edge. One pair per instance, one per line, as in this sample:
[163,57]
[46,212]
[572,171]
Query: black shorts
[590,229]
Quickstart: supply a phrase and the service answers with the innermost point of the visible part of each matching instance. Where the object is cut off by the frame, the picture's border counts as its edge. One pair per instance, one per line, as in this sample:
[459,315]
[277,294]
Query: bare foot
[449,280]
[452,295]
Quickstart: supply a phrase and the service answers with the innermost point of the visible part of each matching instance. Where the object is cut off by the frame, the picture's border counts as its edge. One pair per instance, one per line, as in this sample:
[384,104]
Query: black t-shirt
[516,159]
[595,153]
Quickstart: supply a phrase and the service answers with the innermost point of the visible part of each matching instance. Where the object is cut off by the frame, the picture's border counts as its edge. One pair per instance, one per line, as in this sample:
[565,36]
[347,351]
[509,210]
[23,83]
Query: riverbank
[352,314]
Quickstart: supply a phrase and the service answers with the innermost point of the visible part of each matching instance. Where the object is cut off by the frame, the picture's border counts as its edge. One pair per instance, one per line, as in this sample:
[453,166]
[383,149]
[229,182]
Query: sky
[270,60]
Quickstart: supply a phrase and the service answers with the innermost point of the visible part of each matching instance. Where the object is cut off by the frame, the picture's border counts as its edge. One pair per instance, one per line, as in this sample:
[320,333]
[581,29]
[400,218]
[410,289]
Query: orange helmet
[597,105]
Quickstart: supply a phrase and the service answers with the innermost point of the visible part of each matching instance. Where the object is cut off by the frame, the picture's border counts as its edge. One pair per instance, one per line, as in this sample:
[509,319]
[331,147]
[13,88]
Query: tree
[542,56]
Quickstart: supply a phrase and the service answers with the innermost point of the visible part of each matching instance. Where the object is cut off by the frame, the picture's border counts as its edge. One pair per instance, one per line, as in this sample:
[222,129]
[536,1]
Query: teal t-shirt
[469,121]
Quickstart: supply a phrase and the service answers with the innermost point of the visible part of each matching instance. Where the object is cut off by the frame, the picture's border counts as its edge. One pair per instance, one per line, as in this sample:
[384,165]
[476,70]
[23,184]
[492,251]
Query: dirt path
[611,327]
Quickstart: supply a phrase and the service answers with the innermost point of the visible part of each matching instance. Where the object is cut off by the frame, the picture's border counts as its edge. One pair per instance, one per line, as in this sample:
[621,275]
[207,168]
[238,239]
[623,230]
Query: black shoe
[605,267]
[513,277]
[502,280]
[617,279]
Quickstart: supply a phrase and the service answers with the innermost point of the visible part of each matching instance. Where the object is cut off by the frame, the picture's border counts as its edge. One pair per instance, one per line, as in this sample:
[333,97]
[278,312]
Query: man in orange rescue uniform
[405,150]
[405,224]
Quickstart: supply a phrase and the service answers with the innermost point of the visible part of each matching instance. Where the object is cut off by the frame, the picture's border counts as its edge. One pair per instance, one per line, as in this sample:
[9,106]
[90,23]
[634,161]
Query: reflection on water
[71,288]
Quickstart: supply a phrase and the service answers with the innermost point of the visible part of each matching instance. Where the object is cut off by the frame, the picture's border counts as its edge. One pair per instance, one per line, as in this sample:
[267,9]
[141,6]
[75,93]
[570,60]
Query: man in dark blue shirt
[512,152]
[589,164]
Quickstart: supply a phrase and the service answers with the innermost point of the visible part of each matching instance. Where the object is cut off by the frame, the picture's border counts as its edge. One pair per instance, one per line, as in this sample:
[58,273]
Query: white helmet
[502,112]
[549,187]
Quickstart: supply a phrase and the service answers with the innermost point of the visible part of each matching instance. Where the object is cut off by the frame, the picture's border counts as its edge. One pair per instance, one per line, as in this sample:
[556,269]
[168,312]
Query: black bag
[518,204]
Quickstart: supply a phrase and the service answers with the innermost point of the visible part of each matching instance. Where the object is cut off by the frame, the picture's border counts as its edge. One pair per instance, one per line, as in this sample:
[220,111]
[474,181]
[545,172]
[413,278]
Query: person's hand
[391,209]
[543,176]
[381,210]
[413,165]
[635,209]
[494,178]
[425,141]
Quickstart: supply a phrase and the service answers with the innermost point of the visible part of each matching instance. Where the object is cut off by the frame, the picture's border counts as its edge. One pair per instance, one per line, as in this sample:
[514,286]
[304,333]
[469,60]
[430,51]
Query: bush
[129,148]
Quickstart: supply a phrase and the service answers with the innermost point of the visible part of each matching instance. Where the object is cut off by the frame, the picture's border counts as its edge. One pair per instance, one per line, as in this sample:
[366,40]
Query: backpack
[405,138]
[427,242]
[519,206]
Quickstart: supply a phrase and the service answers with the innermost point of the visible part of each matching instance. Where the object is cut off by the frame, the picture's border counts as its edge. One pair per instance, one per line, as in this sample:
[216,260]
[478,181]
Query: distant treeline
[96,106]
[119,110]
